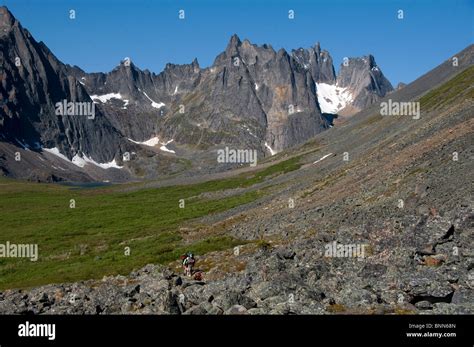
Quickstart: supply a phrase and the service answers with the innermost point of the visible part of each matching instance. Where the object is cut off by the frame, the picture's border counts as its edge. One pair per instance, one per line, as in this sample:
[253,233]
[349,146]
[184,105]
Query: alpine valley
[298,190]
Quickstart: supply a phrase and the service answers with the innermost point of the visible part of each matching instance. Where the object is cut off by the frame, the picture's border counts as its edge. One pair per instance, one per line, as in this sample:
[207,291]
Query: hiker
[188,264]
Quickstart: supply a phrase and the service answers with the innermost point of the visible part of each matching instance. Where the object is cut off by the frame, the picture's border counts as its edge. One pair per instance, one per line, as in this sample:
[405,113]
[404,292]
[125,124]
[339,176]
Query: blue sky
[150,33]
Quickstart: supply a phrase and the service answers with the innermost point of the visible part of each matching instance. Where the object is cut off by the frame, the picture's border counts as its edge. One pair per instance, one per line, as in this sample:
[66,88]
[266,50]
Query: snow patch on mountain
[81,160]
[153,103]
[272,152]
[153,142]
[106,97]
[55,151]
[150,142]
[332,98]
[322,158]
[166,149]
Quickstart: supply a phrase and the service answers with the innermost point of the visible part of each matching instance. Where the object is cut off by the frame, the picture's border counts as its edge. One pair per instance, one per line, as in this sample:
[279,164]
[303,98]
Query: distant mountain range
[251,97]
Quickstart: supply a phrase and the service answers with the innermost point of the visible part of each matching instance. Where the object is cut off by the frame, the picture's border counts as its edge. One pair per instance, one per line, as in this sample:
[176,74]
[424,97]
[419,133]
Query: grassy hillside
[459,87]
[89,241]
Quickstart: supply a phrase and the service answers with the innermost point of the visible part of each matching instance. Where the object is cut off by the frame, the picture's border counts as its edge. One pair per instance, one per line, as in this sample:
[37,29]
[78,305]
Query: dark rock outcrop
[364,79]
[319,62]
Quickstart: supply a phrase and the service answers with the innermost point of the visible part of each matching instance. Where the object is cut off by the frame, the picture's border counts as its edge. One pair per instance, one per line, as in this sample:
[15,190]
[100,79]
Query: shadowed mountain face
[252,97]
[32,82]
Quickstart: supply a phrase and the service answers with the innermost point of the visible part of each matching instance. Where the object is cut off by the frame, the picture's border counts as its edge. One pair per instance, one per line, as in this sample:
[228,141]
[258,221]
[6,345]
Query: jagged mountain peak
[246,42]
[7,20]
[30,92]
[126,65]
[233,45]
[318,62]
[194,65]
[365,80]
[282,53]
[365,62]
[368,59]
[234,41]
[250,53]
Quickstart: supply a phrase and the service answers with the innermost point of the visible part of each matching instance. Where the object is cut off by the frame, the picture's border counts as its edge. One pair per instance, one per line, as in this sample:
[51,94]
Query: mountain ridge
[250,97]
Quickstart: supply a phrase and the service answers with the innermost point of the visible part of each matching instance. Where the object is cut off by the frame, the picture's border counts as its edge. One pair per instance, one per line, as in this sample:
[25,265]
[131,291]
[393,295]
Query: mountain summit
[365,79]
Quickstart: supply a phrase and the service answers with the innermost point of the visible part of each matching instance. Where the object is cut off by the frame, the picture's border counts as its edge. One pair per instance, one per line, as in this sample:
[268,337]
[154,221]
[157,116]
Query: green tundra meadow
[89,241]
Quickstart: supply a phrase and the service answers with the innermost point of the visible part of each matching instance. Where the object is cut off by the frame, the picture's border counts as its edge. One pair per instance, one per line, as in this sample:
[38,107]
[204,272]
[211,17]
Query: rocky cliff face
[364,79]
[266,96]
[252,97]
[318,62]
[269,98]
[265,91]
[33,81]
[127,91]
